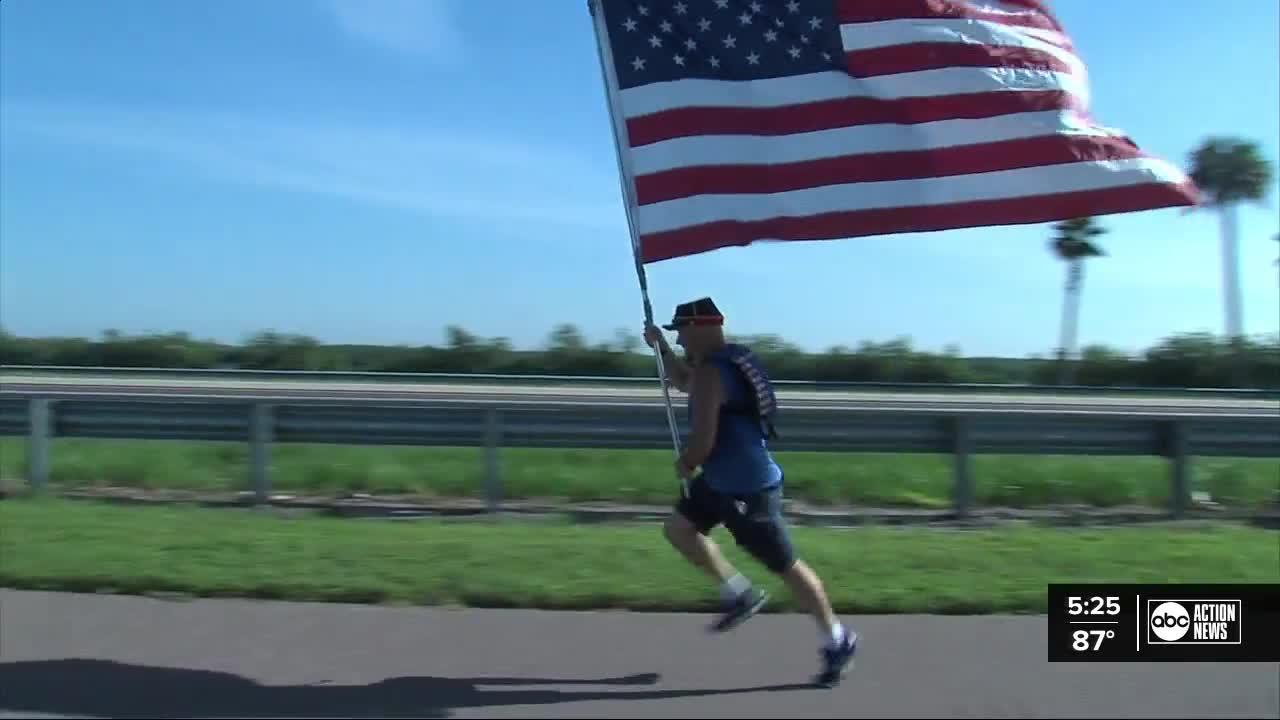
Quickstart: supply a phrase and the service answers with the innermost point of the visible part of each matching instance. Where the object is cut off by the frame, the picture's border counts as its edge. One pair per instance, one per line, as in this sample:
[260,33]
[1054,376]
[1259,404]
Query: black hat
[702,311]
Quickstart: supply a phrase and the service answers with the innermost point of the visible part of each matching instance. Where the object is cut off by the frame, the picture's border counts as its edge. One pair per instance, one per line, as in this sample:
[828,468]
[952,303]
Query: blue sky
[374,171]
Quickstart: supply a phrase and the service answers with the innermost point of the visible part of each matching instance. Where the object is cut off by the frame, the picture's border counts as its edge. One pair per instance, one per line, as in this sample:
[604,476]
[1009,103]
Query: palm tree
[1230,171]
[1073,244]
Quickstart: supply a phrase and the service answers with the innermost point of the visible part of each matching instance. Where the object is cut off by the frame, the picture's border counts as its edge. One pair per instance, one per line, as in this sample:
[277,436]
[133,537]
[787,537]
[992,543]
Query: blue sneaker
[835,660]
[740,610]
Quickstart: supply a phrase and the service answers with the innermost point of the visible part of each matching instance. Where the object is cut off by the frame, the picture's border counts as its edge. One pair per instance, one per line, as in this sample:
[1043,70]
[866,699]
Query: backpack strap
[757,379]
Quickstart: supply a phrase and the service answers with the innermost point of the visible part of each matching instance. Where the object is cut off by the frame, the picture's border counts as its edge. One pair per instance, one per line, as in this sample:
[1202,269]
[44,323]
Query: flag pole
[627,180]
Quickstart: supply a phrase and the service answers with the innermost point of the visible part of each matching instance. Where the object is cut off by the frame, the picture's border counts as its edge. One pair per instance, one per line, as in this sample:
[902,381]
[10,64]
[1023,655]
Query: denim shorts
[753,519]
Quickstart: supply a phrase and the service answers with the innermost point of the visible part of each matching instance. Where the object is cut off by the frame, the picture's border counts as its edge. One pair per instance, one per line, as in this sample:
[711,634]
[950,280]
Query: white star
[795,52]
[655,41]
[704,24]
[630,25]
[744,18]
[770,35]
[643,9]
[681,8]
[815,23]
[730,41]
[826,56]
[778,22]
[638,64]
[804,39]
[691,44]
[679,60]
[755,7]
[666,26]
[753,58]
[722,4]
[715,61]
[792,6]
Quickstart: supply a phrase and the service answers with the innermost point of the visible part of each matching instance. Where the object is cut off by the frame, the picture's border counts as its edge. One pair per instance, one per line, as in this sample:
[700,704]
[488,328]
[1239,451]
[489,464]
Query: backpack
[752,372]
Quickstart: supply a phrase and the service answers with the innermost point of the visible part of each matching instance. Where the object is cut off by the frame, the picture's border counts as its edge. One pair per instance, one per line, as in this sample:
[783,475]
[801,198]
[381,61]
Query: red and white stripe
[959,113]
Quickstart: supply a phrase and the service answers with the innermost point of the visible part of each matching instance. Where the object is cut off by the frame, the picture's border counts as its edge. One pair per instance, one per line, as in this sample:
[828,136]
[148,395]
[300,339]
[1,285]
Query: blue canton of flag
[658,41]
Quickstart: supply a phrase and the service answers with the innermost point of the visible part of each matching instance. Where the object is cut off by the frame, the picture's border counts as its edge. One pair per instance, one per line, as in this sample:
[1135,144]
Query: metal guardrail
[962,434]
[370,376]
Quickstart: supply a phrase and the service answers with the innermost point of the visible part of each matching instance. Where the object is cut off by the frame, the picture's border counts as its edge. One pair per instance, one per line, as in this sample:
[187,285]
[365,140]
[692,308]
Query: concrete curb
[391,508]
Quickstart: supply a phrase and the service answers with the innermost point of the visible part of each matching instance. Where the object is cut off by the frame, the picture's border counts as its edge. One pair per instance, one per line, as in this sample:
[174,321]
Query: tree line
[1187,360]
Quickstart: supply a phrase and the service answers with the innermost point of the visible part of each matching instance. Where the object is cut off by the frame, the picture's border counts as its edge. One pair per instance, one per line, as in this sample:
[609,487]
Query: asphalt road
[17,385]
[111,656]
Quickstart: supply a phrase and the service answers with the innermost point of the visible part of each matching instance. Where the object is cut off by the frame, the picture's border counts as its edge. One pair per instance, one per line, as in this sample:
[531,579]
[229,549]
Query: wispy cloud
[422,28]
[441,172]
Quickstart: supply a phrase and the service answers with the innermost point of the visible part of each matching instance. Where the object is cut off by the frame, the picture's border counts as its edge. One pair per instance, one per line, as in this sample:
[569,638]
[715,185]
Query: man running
[730,408]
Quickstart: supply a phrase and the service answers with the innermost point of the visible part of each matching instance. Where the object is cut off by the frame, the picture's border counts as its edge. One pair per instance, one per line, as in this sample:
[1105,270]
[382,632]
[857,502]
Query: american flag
[751,120]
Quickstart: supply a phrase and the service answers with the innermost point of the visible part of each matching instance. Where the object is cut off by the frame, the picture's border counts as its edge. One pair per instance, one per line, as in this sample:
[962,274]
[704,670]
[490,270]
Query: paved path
[82,655]
[169,387]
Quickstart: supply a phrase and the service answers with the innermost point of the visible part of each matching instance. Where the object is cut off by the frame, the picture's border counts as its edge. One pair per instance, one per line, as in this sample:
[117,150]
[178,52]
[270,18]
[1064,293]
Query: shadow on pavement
[113,689]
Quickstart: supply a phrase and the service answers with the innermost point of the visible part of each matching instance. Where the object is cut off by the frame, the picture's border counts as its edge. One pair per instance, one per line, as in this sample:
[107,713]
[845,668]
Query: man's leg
[807,587]
[697,548]
[761,530]
[838,643]
[686,529]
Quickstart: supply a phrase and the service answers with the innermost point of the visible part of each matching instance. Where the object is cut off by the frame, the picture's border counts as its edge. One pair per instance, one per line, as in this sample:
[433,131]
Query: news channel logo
[1194,622]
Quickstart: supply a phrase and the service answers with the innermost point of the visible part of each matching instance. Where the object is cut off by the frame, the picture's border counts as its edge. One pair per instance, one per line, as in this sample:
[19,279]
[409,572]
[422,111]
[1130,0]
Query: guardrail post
[962,448]
[260,421]
[1180,465]
[492,471]
[41,428]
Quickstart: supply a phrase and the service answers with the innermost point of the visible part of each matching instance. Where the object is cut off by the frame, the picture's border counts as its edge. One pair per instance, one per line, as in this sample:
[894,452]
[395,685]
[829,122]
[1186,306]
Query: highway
[651,396]
[66,655]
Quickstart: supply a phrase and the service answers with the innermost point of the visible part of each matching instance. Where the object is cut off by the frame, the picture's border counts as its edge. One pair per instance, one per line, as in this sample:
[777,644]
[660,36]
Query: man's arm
[677,370]
[707,394]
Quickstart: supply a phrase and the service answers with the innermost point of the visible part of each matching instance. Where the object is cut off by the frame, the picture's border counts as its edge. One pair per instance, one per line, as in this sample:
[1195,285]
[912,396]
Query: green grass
[81,546]
[636,476]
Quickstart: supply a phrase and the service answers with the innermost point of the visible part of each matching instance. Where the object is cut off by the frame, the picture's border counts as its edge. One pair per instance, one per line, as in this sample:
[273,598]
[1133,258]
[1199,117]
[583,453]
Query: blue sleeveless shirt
[740,461]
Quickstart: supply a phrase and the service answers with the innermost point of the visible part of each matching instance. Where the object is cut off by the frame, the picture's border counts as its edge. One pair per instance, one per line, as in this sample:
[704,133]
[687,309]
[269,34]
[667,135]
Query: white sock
[835,637]
[733,587]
